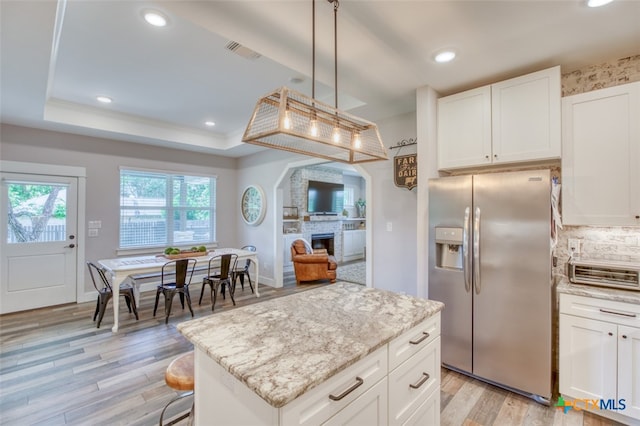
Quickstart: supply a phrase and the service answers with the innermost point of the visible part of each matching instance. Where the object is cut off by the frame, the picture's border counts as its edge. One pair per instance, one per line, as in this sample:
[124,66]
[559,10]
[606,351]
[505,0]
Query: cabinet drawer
[428,413]
[412,382]
[368,409]
[316,406]
[405,346]
[600,309]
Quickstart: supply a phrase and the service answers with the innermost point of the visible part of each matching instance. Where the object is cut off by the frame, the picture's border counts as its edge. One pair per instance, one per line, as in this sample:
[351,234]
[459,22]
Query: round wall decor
[253,205]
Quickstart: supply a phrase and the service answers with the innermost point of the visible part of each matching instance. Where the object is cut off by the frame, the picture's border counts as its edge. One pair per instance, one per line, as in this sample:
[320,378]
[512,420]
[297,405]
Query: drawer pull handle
[424,336]
[617,313]
[355,386]
[421,382]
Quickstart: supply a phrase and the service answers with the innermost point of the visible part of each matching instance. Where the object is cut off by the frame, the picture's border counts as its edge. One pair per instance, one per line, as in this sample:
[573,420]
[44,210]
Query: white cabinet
[398,383]
[600,353]
[601,157]
[464,129]
[511,121]
[287,264]
[353,244]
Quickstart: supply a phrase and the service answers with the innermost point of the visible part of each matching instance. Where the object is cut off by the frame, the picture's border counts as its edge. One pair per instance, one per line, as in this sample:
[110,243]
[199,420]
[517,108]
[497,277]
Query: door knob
[70,246]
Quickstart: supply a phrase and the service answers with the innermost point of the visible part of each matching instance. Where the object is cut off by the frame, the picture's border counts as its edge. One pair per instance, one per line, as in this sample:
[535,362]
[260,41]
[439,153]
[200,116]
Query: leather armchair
[317,265]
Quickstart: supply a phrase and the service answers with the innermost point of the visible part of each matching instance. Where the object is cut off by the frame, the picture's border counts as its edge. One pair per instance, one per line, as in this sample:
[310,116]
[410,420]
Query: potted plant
[361,205]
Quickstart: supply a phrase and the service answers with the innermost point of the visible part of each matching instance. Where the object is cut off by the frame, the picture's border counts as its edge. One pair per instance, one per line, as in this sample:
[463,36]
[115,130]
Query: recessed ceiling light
[104,99]
[598,3]
[155,18]
[445,56]
[209,123]
[296,80]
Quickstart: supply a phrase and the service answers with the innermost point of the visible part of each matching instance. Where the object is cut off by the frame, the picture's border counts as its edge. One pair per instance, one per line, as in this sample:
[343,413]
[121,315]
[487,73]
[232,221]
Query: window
[160,209]
[349,196]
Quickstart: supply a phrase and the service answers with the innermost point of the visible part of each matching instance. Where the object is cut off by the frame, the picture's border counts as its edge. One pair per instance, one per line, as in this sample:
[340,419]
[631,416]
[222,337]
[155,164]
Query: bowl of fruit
[176,253]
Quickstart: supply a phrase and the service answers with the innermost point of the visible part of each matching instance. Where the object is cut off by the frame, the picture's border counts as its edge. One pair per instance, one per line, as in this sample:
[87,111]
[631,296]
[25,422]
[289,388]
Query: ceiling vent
[624,275]
[243,51]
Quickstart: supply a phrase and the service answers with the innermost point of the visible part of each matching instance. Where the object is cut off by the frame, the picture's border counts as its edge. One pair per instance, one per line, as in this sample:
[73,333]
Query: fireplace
[323,241]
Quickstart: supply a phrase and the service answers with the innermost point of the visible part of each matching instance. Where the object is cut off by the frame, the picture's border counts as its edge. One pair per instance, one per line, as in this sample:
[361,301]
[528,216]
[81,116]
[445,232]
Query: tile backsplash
[607,74]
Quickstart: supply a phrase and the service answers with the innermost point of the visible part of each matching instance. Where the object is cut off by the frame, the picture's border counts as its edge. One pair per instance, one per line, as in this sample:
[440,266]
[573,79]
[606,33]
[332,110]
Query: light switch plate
[574,245]
[93,232]
[95,224]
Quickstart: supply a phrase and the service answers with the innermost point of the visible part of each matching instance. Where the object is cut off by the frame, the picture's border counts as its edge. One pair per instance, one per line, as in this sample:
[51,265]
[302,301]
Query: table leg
[116,280]
[257,274]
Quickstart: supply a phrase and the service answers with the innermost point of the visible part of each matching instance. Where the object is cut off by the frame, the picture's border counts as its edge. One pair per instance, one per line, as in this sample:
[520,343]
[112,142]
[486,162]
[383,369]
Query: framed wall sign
[253,205]
[405,170]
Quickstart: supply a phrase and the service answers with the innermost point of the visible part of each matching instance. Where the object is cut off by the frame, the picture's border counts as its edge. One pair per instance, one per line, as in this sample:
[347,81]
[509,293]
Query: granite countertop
[283,347]
[629,296]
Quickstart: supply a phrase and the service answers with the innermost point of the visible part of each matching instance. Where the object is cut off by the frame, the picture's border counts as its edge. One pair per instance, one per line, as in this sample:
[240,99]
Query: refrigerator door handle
[476,250]
[466,259]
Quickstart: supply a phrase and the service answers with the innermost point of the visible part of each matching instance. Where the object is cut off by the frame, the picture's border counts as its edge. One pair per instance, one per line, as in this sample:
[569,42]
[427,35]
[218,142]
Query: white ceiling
[165,82]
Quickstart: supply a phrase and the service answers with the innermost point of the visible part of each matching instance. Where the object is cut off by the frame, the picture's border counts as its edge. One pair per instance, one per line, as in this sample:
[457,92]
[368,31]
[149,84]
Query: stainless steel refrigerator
[490,263]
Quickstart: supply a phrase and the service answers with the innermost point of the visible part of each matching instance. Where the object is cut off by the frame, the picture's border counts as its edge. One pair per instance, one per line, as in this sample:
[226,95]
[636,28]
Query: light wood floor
[56,368]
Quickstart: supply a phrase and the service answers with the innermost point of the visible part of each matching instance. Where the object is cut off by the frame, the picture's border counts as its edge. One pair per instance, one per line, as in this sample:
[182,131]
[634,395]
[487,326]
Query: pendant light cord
[313,49]
[335,48]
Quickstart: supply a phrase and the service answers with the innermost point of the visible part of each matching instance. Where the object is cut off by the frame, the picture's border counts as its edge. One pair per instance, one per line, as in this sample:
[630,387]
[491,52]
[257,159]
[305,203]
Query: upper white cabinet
[511,121]
[601,157]
[464,129]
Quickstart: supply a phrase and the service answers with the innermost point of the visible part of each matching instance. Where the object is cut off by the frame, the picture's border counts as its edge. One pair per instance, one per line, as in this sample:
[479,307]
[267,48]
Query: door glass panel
[36,212]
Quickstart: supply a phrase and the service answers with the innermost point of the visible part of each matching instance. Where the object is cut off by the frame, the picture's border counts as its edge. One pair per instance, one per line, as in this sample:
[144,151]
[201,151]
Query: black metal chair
[243,270]
[105,292]
[181,270]
[220,276]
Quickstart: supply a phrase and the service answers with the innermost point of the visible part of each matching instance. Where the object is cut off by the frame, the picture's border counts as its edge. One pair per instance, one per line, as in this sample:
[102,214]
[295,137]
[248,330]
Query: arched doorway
[282,185]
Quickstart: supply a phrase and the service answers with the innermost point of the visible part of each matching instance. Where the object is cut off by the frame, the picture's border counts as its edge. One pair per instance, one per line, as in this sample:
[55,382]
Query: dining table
[128,267]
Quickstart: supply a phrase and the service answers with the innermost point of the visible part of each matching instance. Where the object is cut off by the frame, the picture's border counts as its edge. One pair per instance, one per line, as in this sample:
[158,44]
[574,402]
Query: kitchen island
[342,353]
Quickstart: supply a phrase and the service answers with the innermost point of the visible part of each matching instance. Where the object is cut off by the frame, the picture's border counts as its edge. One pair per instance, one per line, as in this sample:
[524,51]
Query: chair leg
[181,294]
[168,300]
[155,307]
[214,292]
[127,299]
[250,283]
[241,275]
[133,303]
[232,289]
[188,297]
[104,299]
[95,314]
[204,283]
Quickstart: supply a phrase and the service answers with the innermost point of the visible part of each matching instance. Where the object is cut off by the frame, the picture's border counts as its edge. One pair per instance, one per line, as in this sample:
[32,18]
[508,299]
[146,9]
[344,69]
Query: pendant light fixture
[291,121]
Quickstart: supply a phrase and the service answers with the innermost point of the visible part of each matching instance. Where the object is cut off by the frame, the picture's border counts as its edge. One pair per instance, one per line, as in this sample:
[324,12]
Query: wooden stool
[179,376]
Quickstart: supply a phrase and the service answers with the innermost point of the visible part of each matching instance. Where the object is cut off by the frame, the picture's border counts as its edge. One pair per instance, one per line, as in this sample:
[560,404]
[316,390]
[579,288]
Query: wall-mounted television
[325,197]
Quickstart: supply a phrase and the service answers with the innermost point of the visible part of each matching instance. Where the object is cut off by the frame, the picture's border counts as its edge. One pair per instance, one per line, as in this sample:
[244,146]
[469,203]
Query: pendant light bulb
[286,122]
[335,136]
[313,127]
[357,141]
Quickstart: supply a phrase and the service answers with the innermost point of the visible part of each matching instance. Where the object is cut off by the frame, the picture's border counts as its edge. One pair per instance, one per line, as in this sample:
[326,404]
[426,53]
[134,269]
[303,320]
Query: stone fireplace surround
[328,224]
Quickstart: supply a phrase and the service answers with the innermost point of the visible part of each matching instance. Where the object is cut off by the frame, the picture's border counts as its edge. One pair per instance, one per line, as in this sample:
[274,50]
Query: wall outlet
[574,246]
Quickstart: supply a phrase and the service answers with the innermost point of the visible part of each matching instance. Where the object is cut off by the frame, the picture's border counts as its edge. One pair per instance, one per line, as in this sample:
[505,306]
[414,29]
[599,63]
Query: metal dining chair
[105,292]
[243,270]
[219,277]
[181,270]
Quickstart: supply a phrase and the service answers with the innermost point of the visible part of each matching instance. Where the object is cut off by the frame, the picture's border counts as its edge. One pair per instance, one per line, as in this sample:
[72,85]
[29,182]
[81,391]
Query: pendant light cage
[290,121]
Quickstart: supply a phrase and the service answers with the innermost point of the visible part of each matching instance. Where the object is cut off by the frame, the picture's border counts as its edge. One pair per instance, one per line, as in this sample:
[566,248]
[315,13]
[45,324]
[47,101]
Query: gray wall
[102,159]
[393,252]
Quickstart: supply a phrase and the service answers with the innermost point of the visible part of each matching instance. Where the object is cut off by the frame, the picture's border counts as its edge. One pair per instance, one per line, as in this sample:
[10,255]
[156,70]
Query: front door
[39,254]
